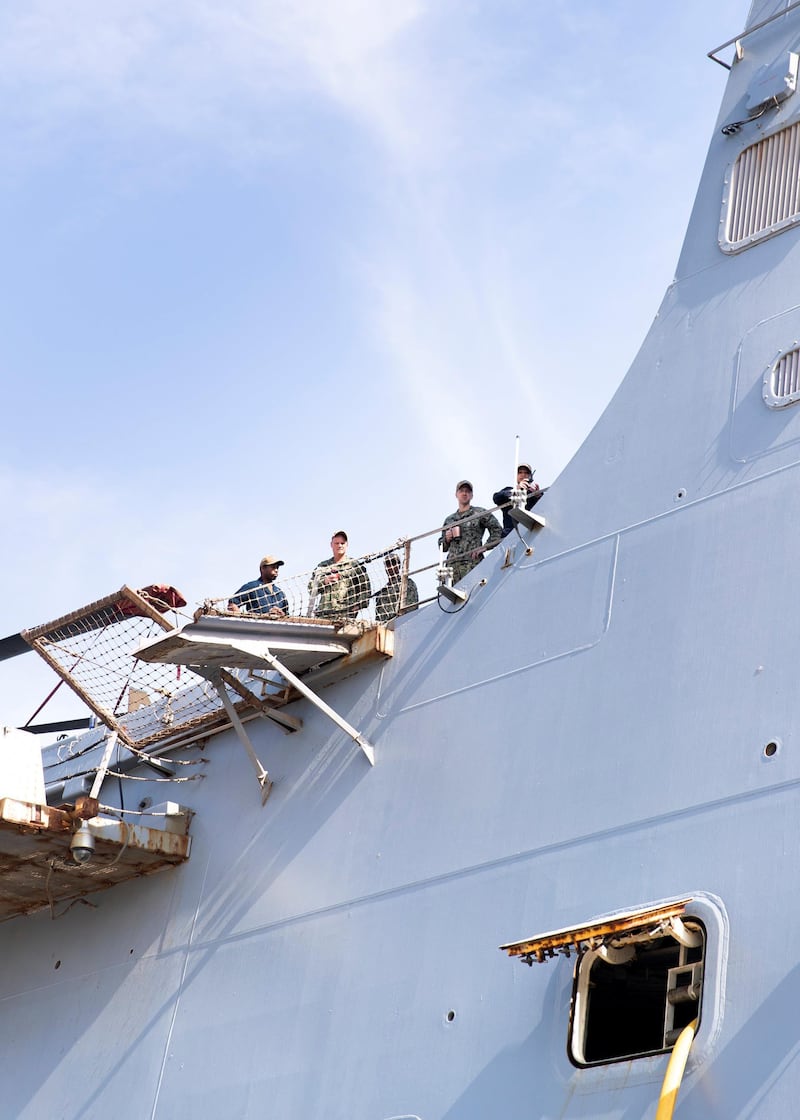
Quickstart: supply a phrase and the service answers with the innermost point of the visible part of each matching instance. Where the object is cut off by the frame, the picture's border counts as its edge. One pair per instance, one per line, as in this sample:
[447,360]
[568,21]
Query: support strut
[215,677]
[296,682]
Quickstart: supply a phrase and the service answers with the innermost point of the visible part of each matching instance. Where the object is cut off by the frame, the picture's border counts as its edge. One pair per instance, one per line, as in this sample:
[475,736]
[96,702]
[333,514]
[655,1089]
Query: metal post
[215,677]
[404,576]
[99,777]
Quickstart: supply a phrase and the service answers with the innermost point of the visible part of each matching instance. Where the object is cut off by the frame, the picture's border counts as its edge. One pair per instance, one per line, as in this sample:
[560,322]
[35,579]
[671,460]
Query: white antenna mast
[519,494]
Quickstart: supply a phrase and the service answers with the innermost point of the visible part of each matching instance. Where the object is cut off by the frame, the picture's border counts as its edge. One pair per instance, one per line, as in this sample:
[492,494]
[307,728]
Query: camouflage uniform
[345,597]
[458,550]
[387,601]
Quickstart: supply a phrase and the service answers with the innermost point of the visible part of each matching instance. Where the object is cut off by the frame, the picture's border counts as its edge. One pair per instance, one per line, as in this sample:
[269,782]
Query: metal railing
[382,585]
[737,39]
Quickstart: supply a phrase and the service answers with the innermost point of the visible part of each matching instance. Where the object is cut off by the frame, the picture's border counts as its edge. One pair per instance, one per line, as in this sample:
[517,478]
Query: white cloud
[208,70]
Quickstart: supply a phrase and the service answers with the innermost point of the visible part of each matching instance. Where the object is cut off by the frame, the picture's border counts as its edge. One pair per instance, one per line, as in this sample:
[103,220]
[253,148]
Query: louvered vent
[782,380]
[764,190]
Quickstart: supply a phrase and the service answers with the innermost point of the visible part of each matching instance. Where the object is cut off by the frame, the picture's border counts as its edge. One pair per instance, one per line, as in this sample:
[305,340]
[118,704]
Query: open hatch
[638,980]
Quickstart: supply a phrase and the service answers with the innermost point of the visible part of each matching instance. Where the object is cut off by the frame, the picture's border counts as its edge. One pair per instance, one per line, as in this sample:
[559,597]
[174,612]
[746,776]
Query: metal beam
[215,678]
[287,722]
[214,644]
[99,777]
[302,687]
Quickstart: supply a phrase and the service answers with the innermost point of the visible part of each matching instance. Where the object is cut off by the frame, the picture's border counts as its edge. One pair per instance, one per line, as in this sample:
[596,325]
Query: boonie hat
[270,560]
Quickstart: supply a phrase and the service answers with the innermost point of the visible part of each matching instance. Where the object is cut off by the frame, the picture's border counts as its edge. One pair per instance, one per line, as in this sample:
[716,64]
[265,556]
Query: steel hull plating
[588,733]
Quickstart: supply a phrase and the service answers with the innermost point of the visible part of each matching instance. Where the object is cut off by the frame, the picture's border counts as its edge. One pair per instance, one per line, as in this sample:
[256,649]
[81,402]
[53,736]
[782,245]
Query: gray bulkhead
[586,735]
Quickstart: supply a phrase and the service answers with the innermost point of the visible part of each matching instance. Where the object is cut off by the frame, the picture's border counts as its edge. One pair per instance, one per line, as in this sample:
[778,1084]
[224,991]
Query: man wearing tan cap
[262,595]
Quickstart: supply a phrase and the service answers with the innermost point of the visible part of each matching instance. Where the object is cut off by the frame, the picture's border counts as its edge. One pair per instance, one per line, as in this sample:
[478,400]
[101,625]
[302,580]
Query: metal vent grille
[782,380]
[763,195]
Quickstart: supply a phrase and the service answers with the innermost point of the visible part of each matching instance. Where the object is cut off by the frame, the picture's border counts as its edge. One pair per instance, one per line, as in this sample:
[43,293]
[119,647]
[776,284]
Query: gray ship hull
[608,723]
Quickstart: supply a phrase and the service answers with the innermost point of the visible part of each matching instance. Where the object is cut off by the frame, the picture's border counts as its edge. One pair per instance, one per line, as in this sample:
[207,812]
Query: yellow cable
[674,1074]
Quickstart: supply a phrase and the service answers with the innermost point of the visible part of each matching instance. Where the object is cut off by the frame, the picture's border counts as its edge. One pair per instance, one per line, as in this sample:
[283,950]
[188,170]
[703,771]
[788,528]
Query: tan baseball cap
[270,560]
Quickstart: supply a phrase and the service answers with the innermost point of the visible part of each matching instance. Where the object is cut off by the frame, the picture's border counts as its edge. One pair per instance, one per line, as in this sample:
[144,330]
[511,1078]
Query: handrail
[440,529]
[674,1074]
[295,586]
[749,31]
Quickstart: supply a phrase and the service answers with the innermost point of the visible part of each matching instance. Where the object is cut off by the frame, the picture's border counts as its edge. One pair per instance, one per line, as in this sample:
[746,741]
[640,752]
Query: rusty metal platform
[37,869]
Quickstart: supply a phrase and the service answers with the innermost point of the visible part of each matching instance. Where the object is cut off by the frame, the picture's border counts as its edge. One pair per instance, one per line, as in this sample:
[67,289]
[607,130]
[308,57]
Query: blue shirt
[259,598]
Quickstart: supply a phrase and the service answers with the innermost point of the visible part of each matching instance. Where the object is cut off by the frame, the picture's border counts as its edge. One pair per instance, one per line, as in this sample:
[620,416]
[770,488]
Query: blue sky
[274,269]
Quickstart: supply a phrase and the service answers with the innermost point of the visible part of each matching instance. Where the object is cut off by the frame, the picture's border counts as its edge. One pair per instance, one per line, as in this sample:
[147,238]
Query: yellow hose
[674,1074]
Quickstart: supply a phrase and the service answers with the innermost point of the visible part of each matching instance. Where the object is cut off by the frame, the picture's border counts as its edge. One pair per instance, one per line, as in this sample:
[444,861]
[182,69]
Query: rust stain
[86,807]
[592,934]
[36,866]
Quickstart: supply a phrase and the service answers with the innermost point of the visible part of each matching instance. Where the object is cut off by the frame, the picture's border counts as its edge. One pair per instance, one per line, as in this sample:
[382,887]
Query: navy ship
[522,851]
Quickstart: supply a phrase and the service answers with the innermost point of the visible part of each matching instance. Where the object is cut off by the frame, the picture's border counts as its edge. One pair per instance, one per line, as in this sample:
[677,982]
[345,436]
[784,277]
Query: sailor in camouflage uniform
[387,601]
[342,584]
[462,533]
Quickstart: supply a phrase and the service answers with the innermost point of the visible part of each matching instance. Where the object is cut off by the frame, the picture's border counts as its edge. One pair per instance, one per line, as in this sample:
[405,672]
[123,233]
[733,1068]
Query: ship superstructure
[591,760]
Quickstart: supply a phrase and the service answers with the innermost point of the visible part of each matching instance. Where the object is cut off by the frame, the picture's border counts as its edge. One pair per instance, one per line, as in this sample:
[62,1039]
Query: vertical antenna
[516,462]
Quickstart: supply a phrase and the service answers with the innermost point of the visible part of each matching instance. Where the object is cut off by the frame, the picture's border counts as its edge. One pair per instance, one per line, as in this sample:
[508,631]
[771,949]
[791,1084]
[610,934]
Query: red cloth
[159,595]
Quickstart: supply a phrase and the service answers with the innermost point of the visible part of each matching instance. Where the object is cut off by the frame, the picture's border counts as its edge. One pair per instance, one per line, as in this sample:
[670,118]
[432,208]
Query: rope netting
[368,589]
[92,651]
[373,588]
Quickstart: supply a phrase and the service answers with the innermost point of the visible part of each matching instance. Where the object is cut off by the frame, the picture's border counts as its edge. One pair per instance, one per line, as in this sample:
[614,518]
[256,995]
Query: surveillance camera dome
[82,844]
